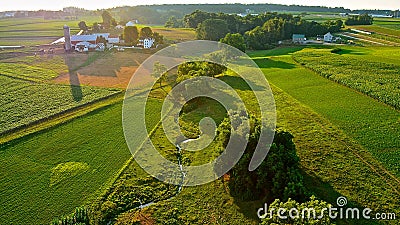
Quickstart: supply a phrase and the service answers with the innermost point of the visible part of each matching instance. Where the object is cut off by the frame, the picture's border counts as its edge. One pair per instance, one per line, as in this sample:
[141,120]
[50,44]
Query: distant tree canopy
[82,25]
[96,27]
[108,20]
[146,32]
[194,69]
[259,31]
[212,29]
[101,39]
[363,19]
[235,40]
[131,35]
[173,22]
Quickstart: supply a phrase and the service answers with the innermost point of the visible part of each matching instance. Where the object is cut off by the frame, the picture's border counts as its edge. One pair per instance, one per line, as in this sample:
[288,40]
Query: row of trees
[363,19]
[131,35]
[259,31]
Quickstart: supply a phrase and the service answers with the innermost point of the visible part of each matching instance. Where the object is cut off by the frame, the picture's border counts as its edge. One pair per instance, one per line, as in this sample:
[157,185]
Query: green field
[377,77]
[333,164]
[63,167]
[36,31]
[345,128]
[371,123]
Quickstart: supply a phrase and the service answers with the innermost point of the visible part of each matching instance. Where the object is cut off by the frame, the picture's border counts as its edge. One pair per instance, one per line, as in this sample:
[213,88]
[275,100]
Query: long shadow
[270,63]
[240,84]
[74,82]
[349,52]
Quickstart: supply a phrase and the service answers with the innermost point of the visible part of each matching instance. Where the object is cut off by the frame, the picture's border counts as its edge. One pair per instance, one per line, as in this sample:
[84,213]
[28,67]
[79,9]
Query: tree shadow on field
[270,63]
[349,52]
[74,82]
[240,84]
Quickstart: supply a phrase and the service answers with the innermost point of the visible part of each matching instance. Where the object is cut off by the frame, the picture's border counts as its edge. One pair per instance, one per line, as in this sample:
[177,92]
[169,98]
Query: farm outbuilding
[328,37]
[299,38]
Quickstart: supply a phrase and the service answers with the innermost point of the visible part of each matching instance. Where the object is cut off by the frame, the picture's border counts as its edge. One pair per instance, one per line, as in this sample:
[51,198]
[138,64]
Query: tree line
[259,31]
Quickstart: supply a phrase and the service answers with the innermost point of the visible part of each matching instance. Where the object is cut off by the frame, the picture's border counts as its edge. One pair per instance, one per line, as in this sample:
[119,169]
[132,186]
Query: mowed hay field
[48,174]
[111,69]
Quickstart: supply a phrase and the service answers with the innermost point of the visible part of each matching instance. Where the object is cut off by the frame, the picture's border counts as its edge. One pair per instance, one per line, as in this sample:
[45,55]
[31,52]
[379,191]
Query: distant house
[146,43]
[299,38]
[130,24]
[119,27]
[328,37]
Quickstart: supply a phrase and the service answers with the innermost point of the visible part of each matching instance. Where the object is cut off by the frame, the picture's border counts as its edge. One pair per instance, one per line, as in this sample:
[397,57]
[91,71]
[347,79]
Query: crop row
[25,102]
[376,79]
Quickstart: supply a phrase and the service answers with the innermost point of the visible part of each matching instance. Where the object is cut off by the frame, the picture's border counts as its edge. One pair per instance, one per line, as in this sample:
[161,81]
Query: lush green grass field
[333,165]
[48,174]
[371,123]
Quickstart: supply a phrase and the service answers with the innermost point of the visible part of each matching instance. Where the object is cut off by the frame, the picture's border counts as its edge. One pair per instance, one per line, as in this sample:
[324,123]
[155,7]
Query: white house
[328,37]
[147,42]
[130,24]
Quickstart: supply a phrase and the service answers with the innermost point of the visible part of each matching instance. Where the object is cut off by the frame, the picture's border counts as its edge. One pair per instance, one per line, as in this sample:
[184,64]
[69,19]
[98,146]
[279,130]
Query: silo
[67,37]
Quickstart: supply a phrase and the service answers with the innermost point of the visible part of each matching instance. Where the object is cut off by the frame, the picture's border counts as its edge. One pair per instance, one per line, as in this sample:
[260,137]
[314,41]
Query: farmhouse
[328,37]
[131,23]
[146,43]
[299,38]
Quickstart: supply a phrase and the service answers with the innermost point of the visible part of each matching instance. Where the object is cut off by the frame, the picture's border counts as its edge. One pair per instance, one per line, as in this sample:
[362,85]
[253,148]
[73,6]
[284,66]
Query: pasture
[332,162]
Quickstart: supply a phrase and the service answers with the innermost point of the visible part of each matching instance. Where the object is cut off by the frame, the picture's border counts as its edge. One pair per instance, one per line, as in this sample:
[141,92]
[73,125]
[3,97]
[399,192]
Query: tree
[107,19]
[195,18]
[194,69]
[212,29]
[101,39]
[333,26]
[131,35]
[96,27]
[158,38]
[234,40]
[146,32]
[278,176]
[82,25]
[173,22]
[363,19]
[159,72]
